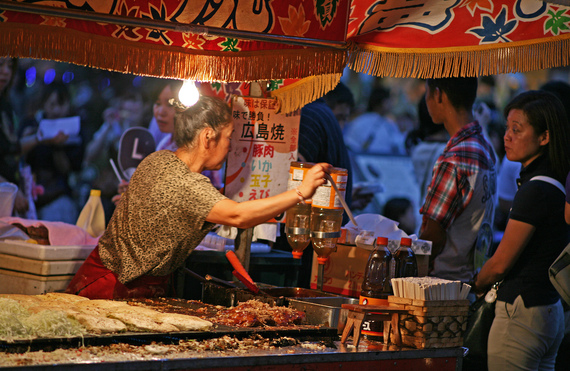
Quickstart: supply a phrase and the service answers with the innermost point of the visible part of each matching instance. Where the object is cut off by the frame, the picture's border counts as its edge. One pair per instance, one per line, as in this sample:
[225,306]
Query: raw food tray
[45,252]
[39,267]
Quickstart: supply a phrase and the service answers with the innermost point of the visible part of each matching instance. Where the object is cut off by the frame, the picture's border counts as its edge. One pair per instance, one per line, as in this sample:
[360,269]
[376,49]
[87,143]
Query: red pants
[94,281]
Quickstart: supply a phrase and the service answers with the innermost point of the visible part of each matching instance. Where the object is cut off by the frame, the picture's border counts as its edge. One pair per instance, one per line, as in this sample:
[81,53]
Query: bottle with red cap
[406,264]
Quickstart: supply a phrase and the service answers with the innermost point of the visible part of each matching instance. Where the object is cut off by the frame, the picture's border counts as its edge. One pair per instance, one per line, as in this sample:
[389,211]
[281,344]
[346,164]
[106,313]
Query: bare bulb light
[188,94]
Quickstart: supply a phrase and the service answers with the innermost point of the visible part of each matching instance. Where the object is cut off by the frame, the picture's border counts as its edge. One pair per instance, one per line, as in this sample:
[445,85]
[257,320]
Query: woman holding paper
[529,323]
[13,143]
[169,207]
[55,159]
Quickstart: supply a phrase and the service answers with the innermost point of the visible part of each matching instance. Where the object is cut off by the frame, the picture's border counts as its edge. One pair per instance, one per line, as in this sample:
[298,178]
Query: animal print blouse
[159,220]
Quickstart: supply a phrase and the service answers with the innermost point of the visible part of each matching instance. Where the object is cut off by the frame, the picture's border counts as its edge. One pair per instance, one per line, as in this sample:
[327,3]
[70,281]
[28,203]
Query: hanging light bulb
[188,94]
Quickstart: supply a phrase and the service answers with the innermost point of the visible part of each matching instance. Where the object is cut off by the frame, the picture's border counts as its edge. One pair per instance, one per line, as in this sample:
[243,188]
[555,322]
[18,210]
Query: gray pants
[525,338]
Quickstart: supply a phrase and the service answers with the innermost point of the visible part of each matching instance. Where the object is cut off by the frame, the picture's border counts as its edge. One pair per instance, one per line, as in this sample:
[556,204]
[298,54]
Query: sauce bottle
[376,287]
[92,217]
[405,259]
[376,284]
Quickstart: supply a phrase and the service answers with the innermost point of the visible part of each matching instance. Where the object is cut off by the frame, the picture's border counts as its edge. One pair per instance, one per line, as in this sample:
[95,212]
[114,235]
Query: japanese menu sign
[263,145]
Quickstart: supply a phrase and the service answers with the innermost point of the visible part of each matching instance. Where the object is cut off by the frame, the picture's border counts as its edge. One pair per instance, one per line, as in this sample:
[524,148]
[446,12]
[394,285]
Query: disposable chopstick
[115,169]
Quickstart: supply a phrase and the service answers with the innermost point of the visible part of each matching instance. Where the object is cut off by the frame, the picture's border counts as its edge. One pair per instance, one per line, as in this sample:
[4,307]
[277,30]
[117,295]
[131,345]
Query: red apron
[94,281]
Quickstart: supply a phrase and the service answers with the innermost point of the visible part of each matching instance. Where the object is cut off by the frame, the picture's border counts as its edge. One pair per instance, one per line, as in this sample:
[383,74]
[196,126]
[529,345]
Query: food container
[325,311]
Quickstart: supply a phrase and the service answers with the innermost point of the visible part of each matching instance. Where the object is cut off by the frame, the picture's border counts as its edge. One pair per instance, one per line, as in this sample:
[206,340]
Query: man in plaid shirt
[460,204]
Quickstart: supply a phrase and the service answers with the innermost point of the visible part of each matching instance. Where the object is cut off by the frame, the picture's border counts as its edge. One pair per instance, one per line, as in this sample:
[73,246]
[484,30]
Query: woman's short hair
[207,112]
[545,111]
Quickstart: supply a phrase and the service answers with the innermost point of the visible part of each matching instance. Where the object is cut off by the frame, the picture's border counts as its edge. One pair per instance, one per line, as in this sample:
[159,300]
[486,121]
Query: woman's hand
[314,178]
[122,188]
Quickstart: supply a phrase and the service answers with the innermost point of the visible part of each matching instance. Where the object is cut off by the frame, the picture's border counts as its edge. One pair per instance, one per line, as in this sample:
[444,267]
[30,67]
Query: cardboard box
[344,271]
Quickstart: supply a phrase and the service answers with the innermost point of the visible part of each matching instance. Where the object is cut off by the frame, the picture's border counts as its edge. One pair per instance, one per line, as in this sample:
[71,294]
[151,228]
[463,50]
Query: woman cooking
[169,208]
[529,323]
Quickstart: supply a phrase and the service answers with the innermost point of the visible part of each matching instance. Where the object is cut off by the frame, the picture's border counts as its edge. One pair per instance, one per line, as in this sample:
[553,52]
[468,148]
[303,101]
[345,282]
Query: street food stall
[295,51]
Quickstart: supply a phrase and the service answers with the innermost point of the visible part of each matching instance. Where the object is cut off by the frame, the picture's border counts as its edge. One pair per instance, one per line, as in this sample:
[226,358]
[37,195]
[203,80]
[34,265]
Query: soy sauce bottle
[376,284]
[406,264]
[376,287]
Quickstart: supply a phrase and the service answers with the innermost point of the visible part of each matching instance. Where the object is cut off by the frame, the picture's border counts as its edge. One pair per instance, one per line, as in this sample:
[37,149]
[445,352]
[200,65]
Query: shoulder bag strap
[550,180]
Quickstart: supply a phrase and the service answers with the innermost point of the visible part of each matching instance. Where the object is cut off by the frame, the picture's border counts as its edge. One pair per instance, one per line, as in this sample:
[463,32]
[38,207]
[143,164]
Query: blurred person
[567,206]
[341,102]
[163,113]
[53,163]
[176,207]
[373,132]
[458,211]
[14,145]
[401,210]
[125,112]
[529,322]
[426,145]
[321,140]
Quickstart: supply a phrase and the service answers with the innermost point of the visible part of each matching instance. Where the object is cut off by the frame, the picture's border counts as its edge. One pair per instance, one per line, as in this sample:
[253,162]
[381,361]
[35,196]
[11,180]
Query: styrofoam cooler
[32,269]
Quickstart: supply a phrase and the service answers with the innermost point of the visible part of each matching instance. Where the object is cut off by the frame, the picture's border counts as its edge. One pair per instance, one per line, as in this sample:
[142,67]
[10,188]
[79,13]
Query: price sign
[263,145]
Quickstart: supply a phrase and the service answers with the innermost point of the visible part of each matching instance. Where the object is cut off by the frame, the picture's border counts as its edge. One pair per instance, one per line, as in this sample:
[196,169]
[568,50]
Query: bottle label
[325,195]
[296,176]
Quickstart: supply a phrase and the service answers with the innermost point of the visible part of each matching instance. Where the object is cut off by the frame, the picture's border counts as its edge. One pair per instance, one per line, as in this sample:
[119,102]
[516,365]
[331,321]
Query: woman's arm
[516,237]
[251,213]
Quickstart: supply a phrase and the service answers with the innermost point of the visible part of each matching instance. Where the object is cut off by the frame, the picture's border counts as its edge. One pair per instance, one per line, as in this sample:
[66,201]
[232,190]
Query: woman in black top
[529,323]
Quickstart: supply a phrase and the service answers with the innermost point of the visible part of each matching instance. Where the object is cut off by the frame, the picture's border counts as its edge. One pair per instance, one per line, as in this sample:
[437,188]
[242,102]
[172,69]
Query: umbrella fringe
[145,59]
[480,60]
[296,95]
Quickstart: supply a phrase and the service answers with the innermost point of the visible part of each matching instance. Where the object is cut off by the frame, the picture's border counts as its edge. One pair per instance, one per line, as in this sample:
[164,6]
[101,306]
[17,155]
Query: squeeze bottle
[92,217]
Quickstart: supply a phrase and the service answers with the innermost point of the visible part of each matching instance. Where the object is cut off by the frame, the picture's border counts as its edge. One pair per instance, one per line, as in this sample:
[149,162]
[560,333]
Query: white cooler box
[32,269]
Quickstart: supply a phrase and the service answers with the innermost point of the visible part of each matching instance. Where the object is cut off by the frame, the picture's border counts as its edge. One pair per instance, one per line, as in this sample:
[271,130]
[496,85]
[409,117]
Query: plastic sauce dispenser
[298,218]
[92,217]
[326,215]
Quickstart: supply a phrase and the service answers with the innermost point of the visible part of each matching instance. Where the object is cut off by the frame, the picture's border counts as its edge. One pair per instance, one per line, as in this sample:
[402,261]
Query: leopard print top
[159,220]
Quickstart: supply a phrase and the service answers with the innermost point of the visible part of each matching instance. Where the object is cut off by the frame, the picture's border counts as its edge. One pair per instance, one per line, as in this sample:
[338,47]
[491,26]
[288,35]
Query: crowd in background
[382,116]
[374,116]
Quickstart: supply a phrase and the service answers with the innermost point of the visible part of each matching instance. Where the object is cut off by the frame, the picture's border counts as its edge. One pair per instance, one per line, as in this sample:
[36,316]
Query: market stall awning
[306,43]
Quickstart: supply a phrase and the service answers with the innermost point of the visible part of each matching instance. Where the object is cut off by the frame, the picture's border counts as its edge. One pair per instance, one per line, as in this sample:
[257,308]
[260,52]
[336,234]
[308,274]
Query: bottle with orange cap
[298,217]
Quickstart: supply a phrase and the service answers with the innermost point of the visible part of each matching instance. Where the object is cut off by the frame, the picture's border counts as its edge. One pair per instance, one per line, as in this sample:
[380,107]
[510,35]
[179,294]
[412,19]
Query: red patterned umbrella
[302,45]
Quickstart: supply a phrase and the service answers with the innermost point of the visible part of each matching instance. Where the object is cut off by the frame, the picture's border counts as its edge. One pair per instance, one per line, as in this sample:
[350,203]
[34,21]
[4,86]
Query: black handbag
[479,320]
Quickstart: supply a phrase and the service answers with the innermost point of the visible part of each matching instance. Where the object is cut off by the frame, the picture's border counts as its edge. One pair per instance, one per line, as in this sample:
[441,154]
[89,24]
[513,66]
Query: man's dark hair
[339,95]
[461,91]
[378,95]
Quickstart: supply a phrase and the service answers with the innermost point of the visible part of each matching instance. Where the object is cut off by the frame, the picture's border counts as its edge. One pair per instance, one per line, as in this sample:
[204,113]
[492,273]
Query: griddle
[190,307]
